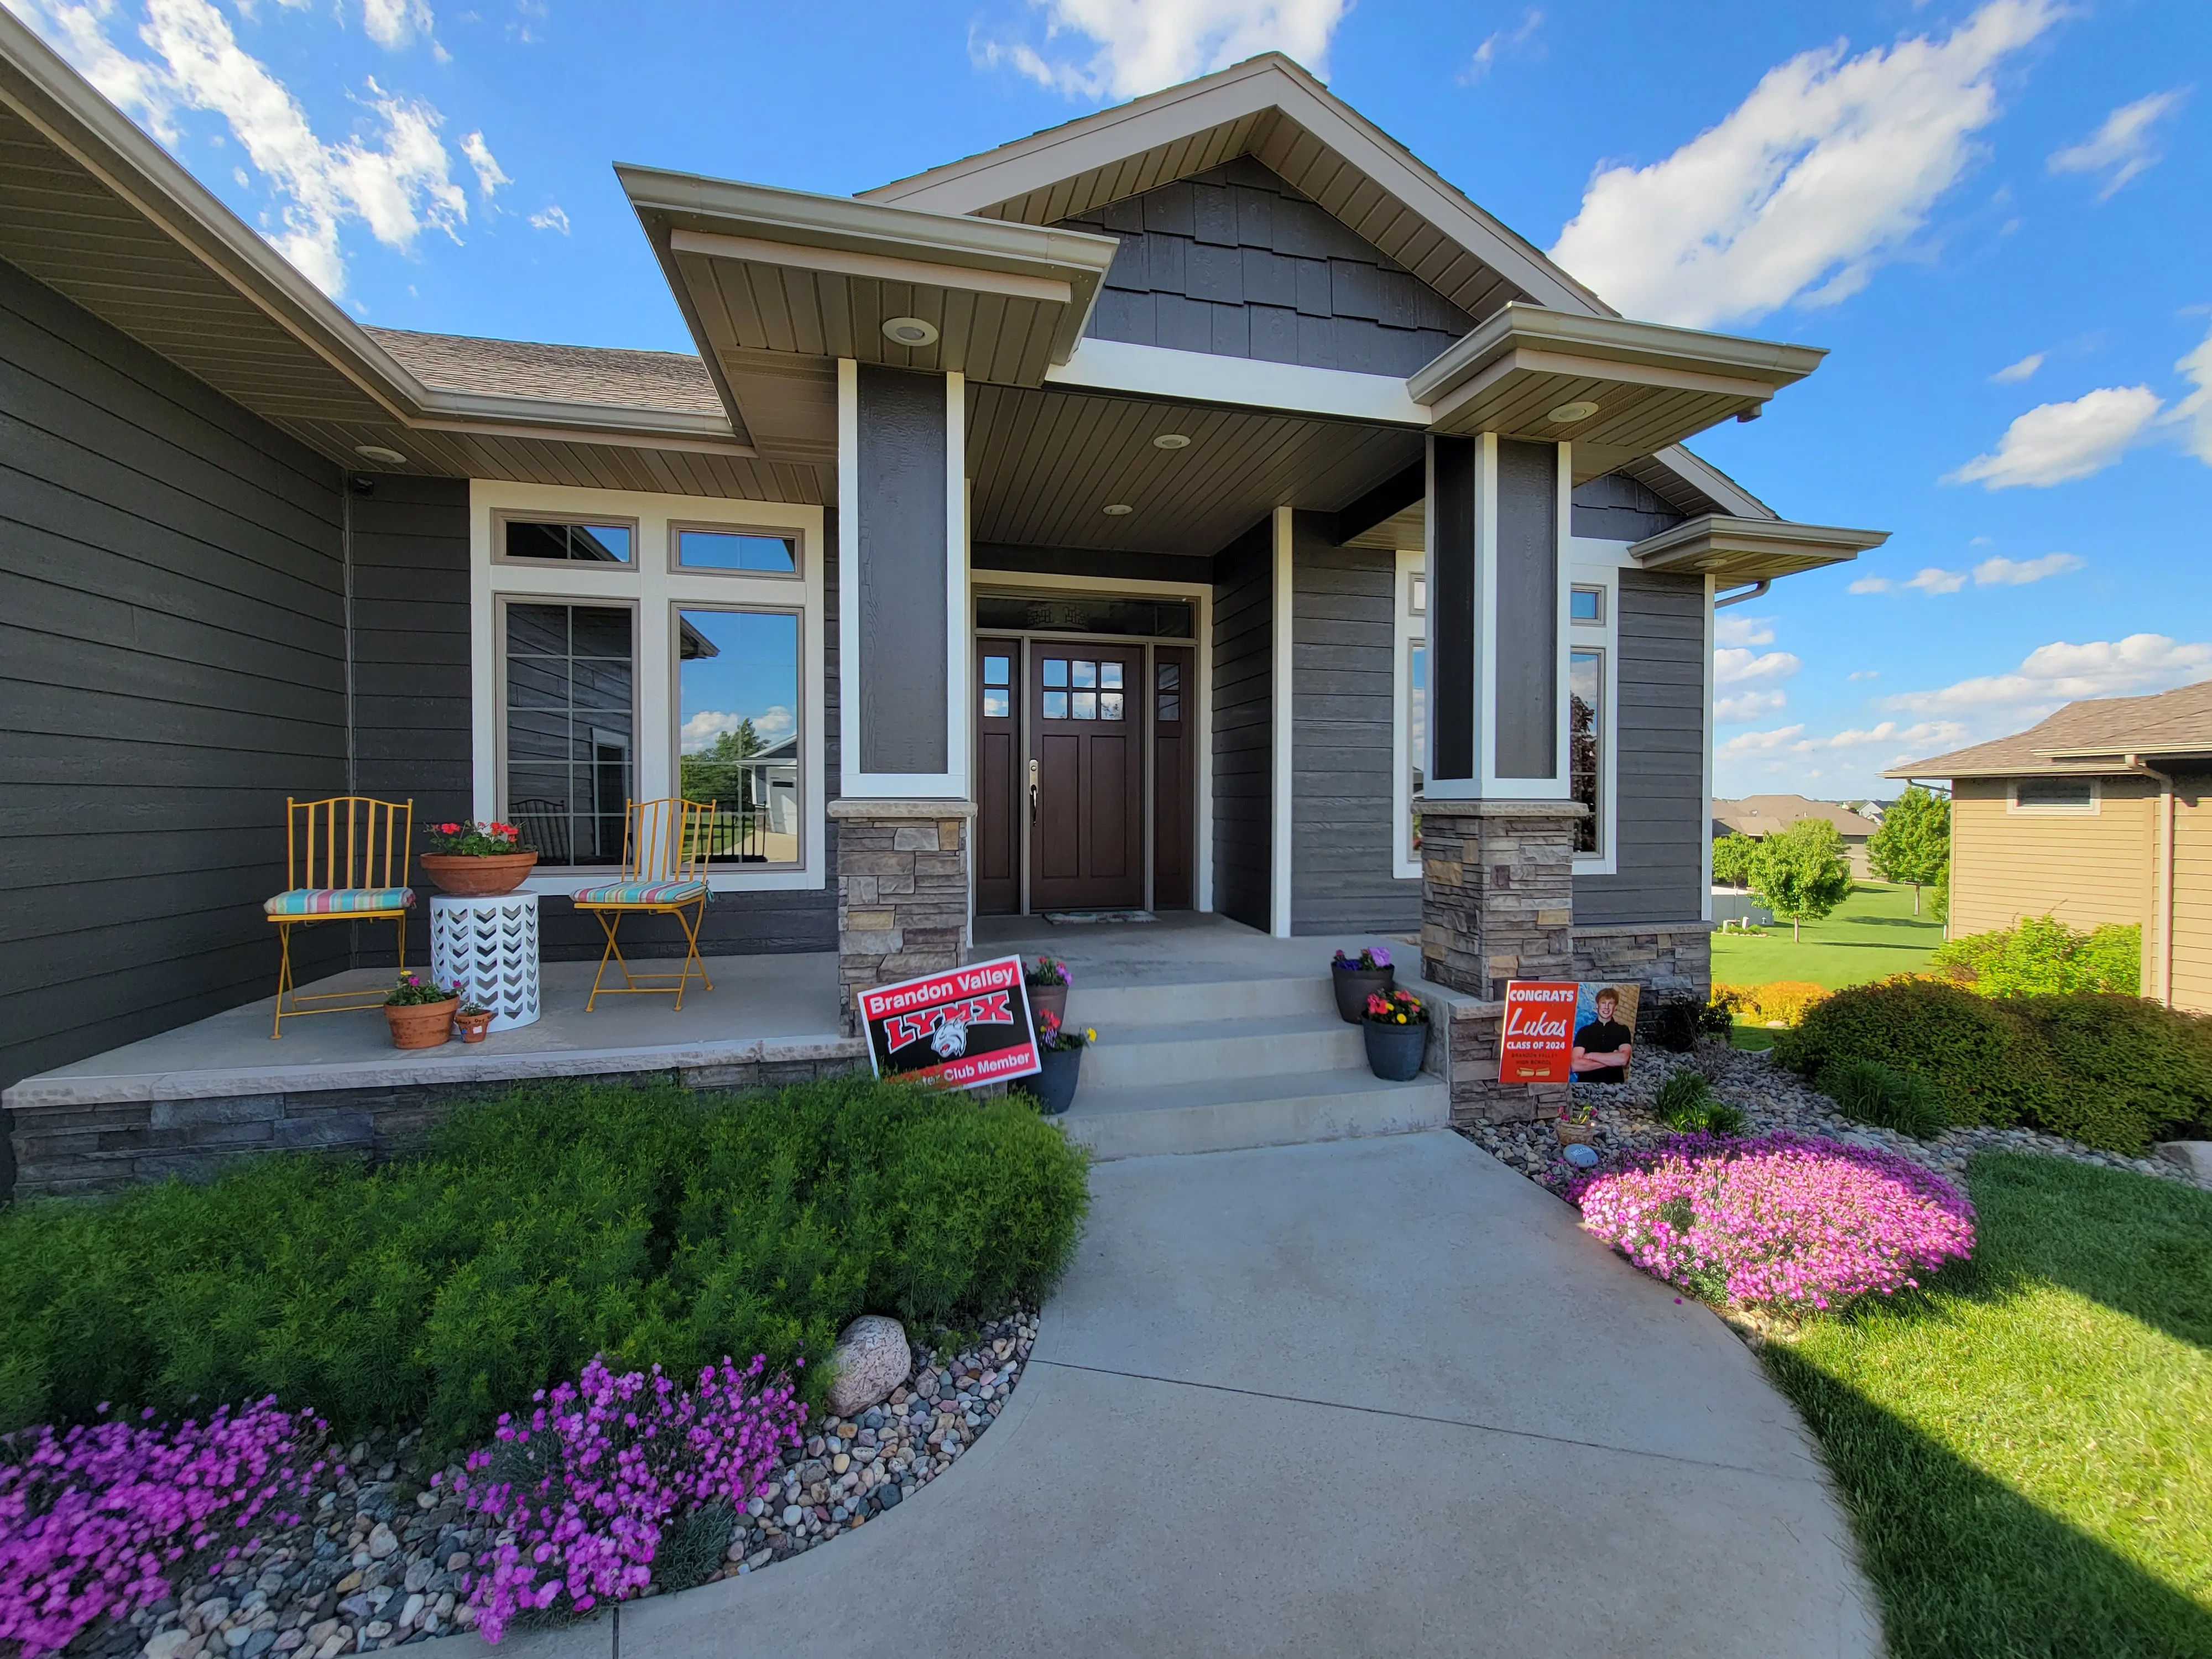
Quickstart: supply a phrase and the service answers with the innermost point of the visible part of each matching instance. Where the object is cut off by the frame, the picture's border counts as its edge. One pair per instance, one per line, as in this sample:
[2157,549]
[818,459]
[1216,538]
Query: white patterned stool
[489,945]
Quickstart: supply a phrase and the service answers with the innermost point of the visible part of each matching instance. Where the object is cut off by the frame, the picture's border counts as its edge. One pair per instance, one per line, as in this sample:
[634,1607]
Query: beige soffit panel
[1750,549]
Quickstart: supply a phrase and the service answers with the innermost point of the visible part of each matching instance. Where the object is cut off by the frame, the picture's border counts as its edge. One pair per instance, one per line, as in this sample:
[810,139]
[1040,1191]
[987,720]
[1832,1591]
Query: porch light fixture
[1172,440]
[1567,414]
[1119,510]
[379,453]
[914,332]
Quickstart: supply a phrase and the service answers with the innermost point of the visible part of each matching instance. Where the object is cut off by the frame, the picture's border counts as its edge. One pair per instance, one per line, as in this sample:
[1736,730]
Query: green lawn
[2026,1447]
[1870,935]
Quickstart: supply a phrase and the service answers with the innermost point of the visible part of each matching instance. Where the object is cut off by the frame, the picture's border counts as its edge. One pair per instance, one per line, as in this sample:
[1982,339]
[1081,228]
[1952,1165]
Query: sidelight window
[1586,741]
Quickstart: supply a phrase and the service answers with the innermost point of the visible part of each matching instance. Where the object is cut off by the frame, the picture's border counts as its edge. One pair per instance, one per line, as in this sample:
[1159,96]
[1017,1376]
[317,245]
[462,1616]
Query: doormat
[1084,918]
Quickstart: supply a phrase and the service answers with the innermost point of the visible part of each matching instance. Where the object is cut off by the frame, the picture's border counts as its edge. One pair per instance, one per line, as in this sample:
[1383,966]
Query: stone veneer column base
[901,893]
[1668,959]
[1497,904]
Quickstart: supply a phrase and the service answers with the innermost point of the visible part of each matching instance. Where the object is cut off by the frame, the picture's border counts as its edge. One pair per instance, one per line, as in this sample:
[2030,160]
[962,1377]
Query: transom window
[2054,794]
[737,549]
[567,543]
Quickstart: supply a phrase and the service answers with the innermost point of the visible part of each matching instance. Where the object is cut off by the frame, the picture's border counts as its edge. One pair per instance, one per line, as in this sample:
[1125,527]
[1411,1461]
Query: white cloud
[1758,743]
[2054,443]
[1501,41]
[2018,573]
[2061,672]
[1749,706]
[393,23]
[398,183]
[551,218]
[1734,665]
[1923,736]
[2122,148]
[1744,630]
[2014,374]
[1935,580]
[1872,584]
[1827,168]
[490,175]
[1863,674]
[2195,411]
[1141,45]
[772,726]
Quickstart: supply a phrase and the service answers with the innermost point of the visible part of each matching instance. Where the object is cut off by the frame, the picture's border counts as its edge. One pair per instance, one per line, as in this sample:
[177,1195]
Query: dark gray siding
[1617,508]
[1528,631]
[902,571]
[171,665]
[1237,263]
[1343,608]
[1089,562]
[1243,740]
[1661,744]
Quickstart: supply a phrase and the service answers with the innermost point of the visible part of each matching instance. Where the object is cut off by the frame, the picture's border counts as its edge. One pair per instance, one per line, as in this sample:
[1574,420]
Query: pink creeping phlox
[94,1519]
[1785,1219]
[583,1492]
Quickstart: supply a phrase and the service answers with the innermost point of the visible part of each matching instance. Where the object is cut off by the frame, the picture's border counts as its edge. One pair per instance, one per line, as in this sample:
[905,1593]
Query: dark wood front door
[1086,709]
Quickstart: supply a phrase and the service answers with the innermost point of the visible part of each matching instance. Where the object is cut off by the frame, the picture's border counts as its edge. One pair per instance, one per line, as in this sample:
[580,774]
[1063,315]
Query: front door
[1085,777]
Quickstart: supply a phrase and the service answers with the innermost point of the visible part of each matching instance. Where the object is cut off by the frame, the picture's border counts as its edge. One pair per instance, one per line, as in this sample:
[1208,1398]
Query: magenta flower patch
[1785,1220]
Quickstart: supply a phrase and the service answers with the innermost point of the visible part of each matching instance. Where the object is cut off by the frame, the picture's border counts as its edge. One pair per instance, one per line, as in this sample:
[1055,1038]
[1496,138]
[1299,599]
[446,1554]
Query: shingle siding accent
[1659,746]
[1244,733]
[1617,508]
[1237,263]
[1343,617]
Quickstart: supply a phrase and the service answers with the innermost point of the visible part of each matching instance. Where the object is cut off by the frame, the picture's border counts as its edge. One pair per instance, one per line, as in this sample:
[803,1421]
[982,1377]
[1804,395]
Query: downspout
[1757,590]
[2162,895]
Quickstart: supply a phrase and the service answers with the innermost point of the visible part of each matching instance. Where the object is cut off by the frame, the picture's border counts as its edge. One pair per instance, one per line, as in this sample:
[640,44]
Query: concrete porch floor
[1181,947]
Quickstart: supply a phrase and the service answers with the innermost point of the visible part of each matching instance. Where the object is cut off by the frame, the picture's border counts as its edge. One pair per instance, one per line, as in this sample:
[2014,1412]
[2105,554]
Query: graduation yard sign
[963,1027]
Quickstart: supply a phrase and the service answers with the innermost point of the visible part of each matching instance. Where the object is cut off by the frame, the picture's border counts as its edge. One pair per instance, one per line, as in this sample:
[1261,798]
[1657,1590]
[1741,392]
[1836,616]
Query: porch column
[904,812]
[1497,819]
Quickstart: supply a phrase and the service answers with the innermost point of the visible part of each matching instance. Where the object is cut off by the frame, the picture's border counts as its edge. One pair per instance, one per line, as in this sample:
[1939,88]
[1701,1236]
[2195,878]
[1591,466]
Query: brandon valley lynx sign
[963,1027]
[1557,1031]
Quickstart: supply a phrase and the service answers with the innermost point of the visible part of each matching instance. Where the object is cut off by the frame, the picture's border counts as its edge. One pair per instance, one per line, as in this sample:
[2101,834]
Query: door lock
[1033,792]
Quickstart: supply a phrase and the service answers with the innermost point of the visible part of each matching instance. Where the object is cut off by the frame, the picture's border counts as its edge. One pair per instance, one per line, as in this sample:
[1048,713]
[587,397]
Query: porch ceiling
[1047,463]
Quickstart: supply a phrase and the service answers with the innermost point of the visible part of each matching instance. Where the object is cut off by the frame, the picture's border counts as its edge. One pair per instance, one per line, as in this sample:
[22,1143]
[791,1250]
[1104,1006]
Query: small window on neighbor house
[1587,604]
[2055,795]
[737,549]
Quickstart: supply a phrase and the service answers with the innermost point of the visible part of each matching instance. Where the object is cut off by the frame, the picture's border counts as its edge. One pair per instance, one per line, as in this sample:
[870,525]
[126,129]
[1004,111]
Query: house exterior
[1763,815]
[2096,815]
[1159,511]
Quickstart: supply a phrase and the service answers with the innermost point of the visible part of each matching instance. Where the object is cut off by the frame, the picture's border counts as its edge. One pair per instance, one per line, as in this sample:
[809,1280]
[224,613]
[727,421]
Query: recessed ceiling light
[1172,440]
[1119,510]
[1566,414]
[379,453]
[910,331]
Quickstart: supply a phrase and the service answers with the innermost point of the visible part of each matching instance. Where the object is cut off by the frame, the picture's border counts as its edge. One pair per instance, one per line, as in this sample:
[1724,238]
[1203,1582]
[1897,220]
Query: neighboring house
[2097,815]
[1161,495]
[1763,815]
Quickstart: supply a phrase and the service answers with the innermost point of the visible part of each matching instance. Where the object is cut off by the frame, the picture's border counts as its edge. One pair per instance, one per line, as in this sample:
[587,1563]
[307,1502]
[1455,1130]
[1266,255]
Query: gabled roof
[2097,736]
[1765,815]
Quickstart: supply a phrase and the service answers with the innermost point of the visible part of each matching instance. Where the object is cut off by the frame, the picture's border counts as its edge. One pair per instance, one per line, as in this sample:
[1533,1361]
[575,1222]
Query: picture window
[570,765]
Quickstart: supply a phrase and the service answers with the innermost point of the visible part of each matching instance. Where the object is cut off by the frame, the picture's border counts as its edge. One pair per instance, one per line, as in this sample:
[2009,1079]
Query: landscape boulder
[870,1360]
[2194,1156]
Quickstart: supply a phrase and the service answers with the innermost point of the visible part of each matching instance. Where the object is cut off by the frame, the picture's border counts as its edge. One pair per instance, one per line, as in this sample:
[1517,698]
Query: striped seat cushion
[338,901]
[642,892]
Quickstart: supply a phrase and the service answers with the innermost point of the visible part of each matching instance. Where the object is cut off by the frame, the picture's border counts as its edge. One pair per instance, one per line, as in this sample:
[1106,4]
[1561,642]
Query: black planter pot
[1355,985]
[1054,1086]
[1394,1052]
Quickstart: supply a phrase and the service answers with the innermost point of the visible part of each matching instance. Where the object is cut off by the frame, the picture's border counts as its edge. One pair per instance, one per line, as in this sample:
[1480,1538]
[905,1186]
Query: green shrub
[1868,1092]
[1685,1104]
[651,1224]
[2137,1072]
[1984,1061]
[2043,956]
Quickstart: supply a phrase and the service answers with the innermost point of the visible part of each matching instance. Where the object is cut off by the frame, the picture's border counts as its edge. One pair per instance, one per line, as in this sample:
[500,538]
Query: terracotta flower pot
[420,1024]
[1355,985]
[473,1027]
[482,875]
[1048,999]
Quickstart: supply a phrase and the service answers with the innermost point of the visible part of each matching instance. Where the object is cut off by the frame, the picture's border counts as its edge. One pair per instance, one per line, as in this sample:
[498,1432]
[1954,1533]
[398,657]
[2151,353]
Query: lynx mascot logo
[951,1039]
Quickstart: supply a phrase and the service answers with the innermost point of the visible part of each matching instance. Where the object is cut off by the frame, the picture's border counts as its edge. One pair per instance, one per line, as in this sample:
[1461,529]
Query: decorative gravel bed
[384,1554]
[1771,1097]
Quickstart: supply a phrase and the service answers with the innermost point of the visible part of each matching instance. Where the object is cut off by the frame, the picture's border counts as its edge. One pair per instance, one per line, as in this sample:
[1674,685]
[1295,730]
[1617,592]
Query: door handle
[1033,792]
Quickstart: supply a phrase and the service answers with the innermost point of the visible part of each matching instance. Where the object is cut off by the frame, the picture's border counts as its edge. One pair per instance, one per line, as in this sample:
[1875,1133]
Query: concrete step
[1229,1114]
[1135,1056]
[1159,1003]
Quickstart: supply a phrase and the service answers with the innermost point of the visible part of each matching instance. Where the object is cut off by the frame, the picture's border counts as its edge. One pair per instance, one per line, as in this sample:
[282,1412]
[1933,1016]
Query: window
[1409,742]
[1094,689]
[2054,795]
[1085,613]
[570,729]
[1586,605]
[737,712]
[737,549]
[1417,727]
[566,544]
[997,688]
[1586,742]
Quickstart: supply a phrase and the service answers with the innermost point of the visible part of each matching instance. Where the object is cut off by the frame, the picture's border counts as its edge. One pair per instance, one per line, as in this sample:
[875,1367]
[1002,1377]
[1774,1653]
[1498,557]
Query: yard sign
[964,1027]
[1536,1044]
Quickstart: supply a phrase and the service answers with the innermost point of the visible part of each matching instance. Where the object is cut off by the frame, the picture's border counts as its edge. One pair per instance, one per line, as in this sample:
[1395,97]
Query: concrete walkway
[1376,1397]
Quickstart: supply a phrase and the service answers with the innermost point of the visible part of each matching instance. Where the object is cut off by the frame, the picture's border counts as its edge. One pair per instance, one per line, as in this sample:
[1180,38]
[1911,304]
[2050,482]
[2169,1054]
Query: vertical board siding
[1244,733]
[1343,611]
[1658,743]
[1237,263]
[171,664]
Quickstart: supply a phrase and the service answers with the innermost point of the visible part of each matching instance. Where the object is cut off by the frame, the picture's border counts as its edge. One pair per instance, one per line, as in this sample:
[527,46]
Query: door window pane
[996,669]
[569,701]
[1109,676]
[1085,705]
[1055,705]
[1585,738]
[997,705]
[1055,670]
[1083,673]
[731,550]
[572,544]
[1109,705]
[737,706]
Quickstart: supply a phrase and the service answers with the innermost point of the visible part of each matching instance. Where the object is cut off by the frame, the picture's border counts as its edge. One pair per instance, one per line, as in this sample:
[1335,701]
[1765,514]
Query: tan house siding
[2192,894]
[2086,869]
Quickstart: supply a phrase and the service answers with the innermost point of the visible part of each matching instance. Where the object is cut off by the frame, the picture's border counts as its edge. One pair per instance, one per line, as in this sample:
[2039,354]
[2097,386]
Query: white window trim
[1411,630]
[2014,808]
[653,588]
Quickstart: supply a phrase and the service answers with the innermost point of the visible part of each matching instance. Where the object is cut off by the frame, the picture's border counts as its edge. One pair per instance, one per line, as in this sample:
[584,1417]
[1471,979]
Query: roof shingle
[675,381]
[2168,722]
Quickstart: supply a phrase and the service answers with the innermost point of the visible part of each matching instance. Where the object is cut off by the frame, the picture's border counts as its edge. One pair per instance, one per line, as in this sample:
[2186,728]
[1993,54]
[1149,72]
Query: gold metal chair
[345,860]
[665,844]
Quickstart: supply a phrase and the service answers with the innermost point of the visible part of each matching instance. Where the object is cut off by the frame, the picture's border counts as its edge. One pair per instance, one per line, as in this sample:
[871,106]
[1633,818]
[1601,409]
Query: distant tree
[711,773]
[1914,842]
[1802,873]
[1732,859]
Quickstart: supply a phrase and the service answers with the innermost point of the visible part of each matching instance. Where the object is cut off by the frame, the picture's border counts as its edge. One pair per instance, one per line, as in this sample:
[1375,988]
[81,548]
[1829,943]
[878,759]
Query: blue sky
[1995,216]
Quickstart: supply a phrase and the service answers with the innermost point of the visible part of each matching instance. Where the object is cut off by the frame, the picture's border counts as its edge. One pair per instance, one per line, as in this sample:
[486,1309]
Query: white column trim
[1485,621]
[1563,756]
[1279,815]
[1706,802]
[848,577]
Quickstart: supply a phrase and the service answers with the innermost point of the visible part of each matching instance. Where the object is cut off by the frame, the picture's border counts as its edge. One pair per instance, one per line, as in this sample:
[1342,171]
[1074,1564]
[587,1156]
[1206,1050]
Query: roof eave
[1750,549]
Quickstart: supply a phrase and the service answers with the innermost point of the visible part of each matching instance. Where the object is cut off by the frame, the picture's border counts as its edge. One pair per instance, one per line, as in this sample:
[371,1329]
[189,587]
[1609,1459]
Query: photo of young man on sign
[1605,1033]
[963,1027]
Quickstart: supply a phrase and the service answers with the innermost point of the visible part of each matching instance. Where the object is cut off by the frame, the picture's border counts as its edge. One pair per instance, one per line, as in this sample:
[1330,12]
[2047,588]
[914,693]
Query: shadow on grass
[1920,922]
[1965,1567]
